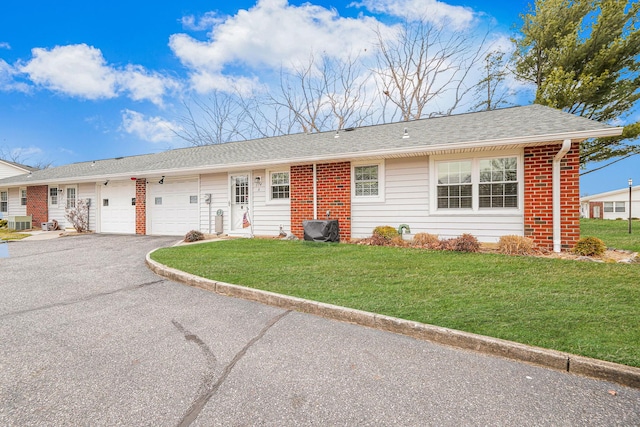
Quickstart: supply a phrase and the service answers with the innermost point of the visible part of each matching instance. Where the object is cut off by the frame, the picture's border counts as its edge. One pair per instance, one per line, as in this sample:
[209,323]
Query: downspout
[557,215]
[315,192]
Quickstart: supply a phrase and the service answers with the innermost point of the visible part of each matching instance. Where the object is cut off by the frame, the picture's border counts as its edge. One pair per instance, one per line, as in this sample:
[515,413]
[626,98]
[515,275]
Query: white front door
[240,215]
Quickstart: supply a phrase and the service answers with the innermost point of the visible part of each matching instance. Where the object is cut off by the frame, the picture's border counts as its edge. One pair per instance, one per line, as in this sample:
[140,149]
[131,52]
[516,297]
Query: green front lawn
[591,309]
[6,234]
[615,233]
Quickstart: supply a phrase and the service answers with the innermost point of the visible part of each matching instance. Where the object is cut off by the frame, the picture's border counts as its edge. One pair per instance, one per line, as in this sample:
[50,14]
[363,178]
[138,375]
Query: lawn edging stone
[552,359]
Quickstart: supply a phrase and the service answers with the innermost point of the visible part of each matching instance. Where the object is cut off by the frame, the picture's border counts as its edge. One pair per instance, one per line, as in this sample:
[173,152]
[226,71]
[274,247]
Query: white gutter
[315,192]
[557,216]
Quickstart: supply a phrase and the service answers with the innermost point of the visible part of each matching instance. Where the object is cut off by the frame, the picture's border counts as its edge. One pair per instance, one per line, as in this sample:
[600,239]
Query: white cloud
[271,34]
[152,129]
[207,21]
[5,45]
[7,78]
[76,70]
[82,71]
[434,11]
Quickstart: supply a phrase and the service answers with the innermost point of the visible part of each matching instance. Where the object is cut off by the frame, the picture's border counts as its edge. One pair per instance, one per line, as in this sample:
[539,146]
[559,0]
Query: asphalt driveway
[89,336]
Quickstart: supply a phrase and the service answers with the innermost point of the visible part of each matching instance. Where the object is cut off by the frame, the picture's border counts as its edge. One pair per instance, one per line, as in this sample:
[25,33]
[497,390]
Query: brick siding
[538,195]
[334,195]
[141,206]
[592,213]
[38,204]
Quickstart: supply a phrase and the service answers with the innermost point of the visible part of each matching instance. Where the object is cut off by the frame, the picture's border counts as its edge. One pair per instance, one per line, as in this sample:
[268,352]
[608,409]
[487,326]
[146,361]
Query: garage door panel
[117,212]
[174,207]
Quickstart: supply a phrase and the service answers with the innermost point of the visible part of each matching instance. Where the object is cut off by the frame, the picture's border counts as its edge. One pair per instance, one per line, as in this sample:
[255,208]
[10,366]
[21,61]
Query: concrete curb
[560,361]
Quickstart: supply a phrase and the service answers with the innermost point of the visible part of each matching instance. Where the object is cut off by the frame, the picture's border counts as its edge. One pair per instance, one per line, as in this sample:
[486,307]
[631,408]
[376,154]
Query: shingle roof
[516,125]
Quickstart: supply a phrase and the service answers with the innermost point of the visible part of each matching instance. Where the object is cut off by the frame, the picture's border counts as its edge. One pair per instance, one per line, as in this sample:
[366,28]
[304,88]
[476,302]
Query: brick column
[333,194]
[538,196]
[301,181]
[141,206]
[38,204]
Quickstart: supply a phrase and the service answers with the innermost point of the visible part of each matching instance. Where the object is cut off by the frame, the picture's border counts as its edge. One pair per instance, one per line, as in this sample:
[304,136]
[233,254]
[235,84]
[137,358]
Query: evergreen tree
[582,55]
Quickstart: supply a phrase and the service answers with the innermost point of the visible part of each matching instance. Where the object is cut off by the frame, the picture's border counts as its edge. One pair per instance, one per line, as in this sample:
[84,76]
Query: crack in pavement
[208,355]
[81,299]
[199,403]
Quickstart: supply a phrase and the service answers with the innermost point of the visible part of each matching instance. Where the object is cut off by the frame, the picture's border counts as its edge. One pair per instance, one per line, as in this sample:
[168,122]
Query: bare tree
[426,65]
[217,120]
[18,156]
[326,94]
[491,92]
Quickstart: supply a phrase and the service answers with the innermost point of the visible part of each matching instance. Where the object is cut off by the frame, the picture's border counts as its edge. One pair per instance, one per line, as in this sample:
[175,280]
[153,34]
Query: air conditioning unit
[19,222]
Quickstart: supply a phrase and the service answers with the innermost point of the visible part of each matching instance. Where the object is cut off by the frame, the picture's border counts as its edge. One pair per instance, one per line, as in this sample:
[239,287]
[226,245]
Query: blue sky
[83,80]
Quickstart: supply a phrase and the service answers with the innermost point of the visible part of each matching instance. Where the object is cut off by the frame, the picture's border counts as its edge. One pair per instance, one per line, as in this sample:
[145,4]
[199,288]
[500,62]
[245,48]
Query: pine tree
[582,55]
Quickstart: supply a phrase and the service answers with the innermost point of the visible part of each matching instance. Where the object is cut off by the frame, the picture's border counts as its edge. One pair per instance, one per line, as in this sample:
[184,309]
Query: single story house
[19,196]
[494,173]
[611,204]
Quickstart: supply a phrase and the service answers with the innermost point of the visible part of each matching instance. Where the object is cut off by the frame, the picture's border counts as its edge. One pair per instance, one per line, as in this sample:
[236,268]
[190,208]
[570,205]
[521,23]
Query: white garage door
[117,207]
[173,206]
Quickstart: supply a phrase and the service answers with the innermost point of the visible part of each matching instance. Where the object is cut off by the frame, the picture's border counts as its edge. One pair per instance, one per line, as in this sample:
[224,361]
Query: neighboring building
[494,173]
[612,204]
[14,200]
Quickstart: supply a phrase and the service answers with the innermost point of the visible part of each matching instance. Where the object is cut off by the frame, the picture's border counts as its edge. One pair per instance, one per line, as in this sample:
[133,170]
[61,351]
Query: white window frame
[67,200]
[614,207]
[23,200]
[57,196]
[269,185]
[4,200]
[380,197]
[475,181]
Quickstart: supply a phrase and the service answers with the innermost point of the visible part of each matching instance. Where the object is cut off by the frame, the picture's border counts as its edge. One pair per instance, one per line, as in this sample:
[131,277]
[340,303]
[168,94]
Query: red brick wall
[38,204]
[141,206]
[538,195]
[334,195]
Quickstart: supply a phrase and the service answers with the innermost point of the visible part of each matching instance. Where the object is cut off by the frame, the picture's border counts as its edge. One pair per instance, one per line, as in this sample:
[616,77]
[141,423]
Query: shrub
[385,231]
[589,246]
[426,240]
[3,223]
[399,242]
[78,216]
[516,245]
[193,236]
[464,243]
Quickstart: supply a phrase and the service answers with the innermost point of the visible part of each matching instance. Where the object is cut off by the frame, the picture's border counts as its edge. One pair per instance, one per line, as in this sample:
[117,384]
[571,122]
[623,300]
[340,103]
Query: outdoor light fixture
[161,180]
[630,184]
[257,181]
[106,183]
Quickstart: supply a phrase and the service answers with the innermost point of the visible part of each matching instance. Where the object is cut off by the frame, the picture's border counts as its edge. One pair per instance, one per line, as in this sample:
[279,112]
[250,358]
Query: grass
[615,233]
[591,309]
[6,234]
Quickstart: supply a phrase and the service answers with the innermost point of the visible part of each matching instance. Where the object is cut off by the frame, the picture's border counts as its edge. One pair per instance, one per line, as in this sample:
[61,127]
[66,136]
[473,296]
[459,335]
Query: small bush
[3,223]
[589,246]
[399,242]
[193,236]
[426,240]
[385,231]
[464,243]
[516,245]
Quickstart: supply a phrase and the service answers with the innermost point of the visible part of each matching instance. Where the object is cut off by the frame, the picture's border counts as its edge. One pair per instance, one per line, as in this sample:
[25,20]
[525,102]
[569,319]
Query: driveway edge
[556,360]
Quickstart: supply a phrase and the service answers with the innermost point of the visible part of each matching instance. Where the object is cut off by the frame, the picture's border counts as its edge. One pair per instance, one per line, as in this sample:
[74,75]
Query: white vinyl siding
[408,201]
[267,214]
